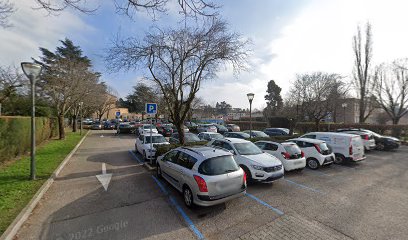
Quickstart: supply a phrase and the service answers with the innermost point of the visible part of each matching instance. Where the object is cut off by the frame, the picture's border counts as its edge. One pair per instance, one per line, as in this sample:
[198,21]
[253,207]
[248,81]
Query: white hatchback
[143,144]
[288,153]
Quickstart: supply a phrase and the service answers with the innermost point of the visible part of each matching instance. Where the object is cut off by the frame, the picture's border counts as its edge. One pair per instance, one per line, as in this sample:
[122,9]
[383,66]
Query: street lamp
[80,117]
[344,105]
[250,98]
[32,71]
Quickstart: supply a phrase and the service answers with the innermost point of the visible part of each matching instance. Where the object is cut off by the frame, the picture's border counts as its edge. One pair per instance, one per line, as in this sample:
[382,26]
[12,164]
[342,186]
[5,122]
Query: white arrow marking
[104,178]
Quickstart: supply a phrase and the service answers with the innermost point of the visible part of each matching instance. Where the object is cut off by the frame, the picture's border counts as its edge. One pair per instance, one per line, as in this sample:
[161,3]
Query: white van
[345,146]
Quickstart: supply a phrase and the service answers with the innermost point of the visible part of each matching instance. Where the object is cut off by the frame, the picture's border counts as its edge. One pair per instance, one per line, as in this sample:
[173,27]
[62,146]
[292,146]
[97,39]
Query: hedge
[15,134]
[324,127]
[245,125]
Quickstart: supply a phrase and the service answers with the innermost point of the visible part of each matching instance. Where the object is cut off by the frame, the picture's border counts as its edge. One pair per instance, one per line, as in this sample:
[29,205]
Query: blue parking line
[179,209]
[302,186]
[265,204]
[134,156]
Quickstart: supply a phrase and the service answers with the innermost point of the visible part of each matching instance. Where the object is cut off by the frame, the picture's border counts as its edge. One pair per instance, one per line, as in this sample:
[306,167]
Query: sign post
[151,109]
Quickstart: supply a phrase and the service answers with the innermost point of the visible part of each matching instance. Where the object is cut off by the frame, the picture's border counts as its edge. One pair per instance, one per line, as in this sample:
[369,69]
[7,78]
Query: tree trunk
[317,124]
[396,131]
[180,130]
[362,109]
[61,127]
[74,123]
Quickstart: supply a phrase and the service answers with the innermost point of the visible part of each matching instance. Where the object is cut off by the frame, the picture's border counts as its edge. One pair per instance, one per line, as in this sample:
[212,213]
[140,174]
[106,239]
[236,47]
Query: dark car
[191,125]
[188,138]
[221,128]
[96,126]
[125,128]
[276,131]
[381,142]
[109,125]
[257,134]
[165,130]
[240,135]
[233,128]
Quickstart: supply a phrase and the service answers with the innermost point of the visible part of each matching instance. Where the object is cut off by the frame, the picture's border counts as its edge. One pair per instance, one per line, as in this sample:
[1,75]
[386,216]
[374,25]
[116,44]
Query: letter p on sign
[151,108]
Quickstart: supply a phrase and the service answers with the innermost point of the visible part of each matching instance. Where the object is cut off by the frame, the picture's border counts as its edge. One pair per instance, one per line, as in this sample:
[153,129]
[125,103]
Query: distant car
[233,128]
[276,131]
[96,126]
[165,130]
[185,129]
[381,142]
[221,128]
[368,139]
[146,128]
[288,153]
[206,128]
[317,152]
[142,144]
[258,166]
[191,125]
[205,176]
[257,134]
[240,135]
[109,125]
[124,127]
[208,136]
[188,138]
[346,147]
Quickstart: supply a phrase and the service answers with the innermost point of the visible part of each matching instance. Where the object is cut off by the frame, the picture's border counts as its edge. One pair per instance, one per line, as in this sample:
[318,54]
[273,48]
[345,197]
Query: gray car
[206,176]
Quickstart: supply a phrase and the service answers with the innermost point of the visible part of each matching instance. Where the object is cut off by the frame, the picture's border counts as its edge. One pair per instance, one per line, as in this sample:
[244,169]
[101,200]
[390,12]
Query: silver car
[206,176]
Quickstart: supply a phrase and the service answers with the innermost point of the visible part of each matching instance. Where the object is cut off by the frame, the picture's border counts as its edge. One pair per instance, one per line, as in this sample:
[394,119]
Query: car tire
[188,197]
[312,163]
[248,174]
[159,172]
[380,147]
[339,159]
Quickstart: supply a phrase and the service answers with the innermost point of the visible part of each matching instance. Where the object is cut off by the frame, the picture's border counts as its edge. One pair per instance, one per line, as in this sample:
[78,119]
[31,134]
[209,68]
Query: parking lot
[365,200]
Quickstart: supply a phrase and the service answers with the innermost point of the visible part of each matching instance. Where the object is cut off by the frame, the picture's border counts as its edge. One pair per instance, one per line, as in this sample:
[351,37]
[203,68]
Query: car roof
[234,140]
[266,141]
[332,133]
[153,134]
[205,152]
[309,140]
[211,133]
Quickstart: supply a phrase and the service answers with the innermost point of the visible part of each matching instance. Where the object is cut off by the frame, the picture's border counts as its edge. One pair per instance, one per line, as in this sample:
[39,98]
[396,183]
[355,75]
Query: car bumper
[206,201]
[357,159]
[261,176]
[290,165]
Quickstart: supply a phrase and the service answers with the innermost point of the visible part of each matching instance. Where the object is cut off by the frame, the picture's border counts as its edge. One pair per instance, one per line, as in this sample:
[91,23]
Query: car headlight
[256,167]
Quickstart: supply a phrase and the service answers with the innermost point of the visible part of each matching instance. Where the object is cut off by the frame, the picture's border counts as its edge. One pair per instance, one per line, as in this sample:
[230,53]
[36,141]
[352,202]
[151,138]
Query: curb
[12,230]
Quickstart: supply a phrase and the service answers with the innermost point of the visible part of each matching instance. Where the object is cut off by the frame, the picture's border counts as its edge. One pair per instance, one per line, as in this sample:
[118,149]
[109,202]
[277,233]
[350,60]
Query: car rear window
[292,149]
[218,166]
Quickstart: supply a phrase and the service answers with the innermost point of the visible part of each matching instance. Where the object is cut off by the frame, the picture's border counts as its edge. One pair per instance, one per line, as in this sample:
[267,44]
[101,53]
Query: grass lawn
[16,190]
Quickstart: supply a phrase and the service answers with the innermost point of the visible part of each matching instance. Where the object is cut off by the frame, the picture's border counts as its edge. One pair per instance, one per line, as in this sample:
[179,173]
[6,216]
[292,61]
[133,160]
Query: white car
[317,153]
[368,139]
[258,166]
[208,136]
[143,145]
[288,153]
[146,128]
[346,147]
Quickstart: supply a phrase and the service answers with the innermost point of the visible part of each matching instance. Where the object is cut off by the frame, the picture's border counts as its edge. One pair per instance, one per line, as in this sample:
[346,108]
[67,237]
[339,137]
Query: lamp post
[32,71]
[344,105]
[80,117]
[250,98]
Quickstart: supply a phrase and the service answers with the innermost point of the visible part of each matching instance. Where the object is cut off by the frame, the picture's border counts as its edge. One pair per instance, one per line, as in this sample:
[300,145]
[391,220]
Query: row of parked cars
[215,173]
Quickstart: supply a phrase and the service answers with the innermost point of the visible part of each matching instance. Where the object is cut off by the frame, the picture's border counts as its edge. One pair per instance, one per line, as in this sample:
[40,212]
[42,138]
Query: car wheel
[158,171]
[380,146]
[338,159]
[248,173]
[188,197]
[312,163]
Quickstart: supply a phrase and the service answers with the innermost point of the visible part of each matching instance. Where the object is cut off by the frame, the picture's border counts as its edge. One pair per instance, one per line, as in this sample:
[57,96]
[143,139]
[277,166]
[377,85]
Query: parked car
[188,138]
[346,147]
[317,152]
[381,142]
[205,176]
[146,128]
[367,138]
[221,128]
[276,131]
[143,146]
[184,128]
[191,125]
[258,166]
[233,128]
[288,153]
[124,127]
[96,126]
[240,135]
[109,125]
[165,130]
[257,134]
[206,128]
[208,136]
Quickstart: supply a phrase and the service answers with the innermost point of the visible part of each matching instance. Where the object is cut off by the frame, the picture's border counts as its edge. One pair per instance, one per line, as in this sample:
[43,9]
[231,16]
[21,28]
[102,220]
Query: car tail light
[286,155]
[366,137]
[318,148]
[202,185]
[351,150]
[302,153]
[245,179]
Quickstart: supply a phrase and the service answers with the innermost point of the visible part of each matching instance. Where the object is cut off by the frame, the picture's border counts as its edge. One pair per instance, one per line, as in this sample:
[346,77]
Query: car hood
[263,159]
[147,145]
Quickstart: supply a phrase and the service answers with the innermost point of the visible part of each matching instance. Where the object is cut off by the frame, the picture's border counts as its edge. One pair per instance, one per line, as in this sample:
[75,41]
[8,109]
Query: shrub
[15,134]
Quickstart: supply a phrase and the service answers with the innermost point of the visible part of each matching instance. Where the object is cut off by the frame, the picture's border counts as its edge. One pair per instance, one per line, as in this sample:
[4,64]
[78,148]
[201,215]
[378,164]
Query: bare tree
[10,80]
[314,94]
[363,53]
[391,88]
[179,60]
[106,98]
[6,9]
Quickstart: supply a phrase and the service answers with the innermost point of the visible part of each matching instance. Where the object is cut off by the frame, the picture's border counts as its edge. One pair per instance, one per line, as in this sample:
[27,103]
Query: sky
[288,37]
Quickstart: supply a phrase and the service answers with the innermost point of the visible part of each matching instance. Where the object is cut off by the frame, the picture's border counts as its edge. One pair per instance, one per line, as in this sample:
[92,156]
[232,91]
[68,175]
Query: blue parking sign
[151,108]
[117,114]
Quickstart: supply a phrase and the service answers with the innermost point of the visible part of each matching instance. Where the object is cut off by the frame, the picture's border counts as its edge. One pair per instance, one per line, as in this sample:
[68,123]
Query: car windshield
[218,166]
[292,149]
[247,148]
[216,136]
[258,133]
[324,147]
[148,127]
[156,139]
[191,138]
[244,135]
